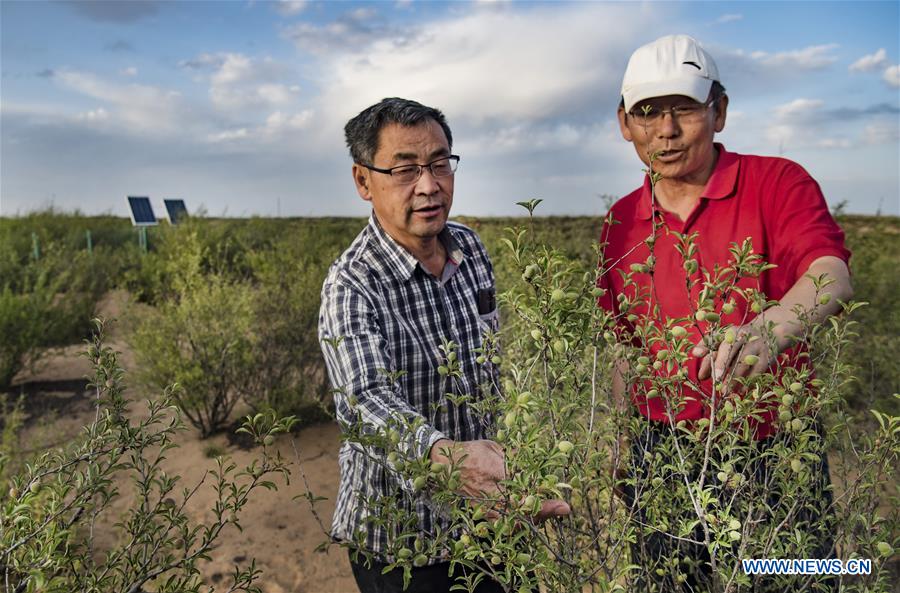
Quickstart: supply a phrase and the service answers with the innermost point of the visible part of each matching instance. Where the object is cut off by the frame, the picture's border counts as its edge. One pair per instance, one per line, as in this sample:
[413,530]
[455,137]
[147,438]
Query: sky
[238,107]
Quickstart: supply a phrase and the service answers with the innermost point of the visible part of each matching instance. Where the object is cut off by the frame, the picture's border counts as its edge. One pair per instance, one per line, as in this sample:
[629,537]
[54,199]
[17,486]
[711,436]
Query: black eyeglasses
[442,167]
[685,113]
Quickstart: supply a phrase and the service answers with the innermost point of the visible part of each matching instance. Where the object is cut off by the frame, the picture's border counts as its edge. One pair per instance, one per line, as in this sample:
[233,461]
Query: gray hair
[361,132]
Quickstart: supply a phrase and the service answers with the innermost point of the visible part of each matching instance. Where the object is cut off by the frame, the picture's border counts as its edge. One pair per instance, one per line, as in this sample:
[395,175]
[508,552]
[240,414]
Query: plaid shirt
[392,315]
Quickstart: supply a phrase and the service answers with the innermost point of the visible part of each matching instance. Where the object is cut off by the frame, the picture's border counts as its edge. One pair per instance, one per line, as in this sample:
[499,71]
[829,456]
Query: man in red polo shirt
[673,104]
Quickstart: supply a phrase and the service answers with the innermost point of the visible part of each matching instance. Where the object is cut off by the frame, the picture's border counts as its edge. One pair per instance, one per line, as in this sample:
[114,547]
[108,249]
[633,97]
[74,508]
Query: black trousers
[427,579]
[651,549]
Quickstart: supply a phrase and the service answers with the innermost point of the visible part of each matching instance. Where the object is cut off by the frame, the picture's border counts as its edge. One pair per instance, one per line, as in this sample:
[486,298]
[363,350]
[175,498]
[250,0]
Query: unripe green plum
[565,446]
[730,335]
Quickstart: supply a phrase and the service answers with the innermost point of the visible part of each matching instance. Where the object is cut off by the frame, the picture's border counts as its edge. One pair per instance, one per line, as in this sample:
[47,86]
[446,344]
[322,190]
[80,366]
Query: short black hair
[716,92]
[361,132]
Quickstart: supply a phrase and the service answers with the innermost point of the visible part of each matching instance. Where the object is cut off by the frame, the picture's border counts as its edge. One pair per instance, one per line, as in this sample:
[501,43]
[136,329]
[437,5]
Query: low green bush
[43,303]
[204,342]
[704,485]
[52,510]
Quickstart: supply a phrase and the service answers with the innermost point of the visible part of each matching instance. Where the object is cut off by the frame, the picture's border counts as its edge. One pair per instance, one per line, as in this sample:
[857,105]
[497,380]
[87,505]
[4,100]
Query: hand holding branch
[482,467]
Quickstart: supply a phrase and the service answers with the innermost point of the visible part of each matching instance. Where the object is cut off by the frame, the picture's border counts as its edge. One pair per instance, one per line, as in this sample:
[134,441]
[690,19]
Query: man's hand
[482,468]
[818,302]
[748,353]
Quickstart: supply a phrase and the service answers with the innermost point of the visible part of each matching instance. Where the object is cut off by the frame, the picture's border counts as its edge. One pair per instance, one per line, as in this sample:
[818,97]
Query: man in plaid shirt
[408,283]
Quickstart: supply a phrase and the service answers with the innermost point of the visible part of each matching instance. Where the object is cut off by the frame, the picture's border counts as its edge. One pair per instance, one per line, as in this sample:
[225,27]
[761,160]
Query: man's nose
[667,127]
[427,184]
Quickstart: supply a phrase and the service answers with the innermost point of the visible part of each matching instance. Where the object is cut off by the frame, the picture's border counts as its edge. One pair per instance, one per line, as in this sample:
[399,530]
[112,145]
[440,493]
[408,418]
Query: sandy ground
[279,532]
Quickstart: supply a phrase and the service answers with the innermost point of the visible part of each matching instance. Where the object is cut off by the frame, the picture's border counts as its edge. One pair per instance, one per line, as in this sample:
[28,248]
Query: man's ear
[361,179]
[623,125]
[721,112]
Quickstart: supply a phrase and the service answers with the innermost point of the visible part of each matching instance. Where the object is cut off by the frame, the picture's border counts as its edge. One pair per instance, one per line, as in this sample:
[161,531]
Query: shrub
[203,343]
[703,483]
[289,369]
[223,337]
[51,511]
[43,303]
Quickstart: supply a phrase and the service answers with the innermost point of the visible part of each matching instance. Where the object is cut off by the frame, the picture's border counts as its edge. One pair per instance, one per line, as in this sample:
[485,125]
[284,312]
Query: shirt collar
[400,261]
[720,185]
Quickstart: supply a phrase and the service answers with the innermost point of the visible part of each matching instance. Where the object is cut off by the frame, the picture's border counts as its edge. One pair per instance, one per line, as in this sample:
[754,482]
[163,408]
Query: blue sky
[238,107]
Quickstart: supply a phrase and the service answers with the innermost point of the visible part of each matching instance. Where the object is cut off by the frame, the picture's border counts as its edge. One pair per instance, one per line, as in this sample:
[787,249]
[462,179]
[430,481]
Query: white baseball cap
[671,65]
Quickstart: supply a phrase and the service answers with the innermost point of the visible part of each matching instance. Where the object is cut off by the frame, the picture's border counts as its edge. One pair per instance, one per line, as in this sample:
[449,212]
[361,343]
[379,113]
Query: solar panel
[175,210]
[141,211]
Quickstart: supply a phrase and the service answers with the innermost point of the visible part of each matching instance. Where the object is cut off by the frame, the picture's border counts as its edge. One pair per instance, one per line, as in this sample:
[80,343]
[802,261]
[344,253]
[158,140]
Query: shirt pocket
[489,322]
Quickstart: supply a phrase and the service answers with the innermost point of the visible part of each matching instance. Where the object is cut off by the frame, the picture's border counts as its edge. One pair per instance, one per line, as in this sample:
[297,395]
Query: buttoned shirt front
[382,320]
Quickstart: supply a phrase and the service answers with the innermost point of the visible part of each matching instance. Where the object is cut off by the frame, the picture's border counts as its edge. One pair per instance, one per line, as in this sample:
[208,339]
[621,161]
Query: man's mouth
[668,155]
[429,210]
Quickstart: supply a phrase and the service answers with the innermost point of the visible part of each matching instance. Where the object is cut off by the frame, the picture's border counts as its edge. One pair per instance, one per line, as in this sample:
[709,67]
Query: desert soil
[280,532]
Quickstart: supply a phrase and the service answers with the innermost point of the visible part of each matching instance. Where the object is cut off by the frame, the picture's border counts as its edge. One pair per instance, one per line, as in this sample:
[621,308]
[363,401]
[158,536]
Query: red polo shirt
[772,201]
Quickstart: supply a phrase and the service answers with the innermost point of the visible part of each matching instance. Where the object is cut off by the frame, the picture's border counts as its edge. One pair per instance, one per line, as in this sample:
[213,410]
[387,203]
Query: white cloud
[273,93]
[869,62]
[503,66]
[834,143]
[94,115]
[279,122]
[351,30]
[136,108]
[729,18]
[290,7]
[892,75]
[794,125]
[886,132]
[228,135]
[276,129]
[798,107]
[130,71]
[813,57]
[492,4]
[238,82]
[512,138]
[204,61]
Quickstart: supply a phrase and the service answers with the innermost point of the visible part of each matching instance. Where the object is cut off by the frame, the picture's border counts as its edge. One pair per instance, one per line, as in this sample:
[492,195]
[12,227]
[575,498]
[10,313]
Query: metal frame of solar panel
[176,211]
[141,211]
